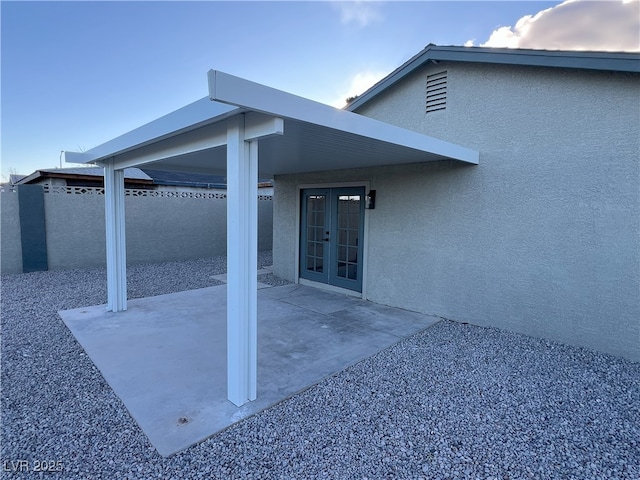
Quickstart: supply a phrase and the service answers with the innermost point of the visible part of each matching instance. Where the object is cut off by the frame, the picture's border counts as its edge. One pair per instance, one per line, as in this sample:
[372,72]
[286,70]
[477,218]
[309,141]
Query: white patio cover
[247,130]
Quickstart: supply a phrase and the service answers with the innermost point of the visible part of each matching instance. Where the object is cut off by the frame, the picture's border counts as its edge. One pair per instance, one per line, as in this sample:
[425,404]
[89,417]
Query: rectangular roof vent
[436,92]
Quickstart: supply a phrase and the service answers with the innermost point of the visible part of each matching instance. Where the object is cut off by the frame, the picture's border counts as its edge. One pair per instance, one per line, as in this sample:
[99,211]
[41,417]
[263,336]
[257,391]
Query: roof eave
[607,61]
[29,178]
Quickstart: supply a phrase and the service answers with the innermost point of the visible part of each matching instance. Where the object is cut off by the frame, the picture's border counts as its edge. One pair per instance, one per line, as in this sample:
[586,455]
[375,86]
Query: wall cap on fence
[134,192]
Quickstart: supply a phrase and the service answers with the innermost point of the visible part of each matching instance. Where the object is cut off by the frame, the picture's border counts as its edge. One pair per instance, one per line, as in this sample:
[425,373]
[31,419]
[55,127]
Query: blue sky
[76,74]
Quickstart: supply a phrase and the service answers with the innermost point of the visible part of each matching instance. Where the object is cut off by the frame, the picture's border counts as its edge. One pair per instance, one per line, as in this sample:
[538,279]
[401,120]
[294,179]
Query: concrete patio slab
[165,357]
[222,277]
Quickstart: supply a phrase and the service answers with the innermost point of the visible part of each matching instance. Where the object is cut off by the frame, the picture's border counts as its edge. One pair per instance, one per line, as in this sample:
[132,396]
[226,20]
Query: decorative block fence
[56,227]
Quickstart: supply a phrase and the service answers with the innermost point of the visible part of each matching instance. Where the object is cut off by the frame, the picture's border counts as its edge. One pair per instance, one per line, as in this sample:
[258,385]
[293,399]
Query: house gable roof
[606,61]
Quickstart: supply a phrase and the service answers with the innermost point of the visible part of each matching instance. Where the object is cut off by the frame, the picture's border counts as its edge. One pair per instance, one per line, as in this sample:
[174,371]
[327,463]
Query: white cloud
[575,25]
[360,12]
[356,85]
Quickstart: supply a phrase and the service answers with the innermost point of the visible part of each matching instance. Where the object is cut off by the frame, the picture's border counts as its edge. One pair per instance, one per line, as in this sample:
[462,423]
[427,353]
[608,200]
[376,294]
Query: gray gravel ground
[453,401]
[271,279]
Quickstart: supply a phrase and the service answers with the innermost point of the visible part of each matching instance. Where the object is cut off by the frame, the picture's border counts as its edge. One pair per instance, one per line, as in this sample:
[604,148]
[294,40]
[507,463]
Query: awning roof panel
[316,137]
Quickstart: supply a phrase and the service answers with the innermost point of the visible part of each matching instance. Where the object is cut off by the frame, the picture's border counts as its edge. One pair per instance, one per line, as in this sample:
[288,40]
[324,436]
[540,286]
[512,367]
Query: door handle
[326,239]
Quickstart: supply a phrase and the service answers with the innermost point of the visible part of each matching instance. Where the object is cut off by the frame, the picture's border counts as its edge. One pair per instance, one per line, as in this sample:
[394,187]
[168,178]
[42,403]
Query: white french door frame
[365,246]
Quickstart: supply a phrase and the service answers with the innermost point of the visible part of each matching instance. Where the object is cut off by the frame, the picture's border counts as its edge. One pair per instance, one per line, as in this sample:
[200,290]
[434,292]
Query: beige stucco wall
[543,237]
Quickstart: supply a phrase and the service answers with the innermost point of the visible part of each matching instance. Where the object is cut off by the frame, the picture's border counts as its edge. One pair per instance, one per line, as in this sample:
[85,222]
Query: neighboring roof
[200,180]
[13,178]
[80,172]
[305,136]
[608,61]
[182,179]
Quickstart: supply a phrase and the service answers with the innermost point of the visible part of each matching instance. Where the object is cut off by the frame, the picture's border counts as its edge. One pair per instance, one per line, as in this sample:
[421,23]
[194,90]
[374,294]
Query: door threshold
[329,288]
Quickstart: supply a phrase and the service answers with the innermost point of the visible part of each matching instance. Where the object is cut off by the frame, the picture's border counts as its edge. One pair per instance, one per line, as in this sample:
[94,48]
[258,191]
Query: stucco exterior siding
[542,238]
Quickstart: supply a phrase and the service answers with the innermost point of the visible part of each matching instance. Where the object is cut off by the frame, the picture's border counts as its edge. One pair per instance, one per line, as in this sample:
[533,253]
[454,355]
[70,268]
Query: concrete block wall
[75,231]
[186,228]
[10,242]
[158,229]
[541,238]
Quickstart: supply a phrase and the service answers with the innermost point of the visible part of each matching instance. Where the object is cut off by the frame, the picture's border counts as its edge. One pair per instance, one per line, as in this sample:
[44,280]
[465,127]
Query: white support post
[116,242]
[242,250]
[252,258]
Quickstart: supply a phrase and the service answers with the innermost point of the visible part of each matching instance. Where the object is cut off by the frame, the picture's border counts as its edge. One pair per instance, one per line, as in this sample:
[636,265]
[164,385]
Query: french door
[332,228]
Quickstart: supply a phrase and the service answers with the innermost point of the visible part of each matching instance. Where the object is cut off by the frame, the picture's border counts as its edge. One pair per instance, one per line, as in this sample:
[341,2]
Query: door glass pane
[315,214]
[352,271]
[353,238]
[348,224]
[316,203]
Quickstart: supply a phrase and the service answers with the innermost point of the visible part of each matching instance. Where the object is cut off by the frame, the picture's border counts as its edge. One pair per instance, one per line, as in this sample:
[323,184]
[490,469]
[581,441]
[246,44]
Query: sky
[77,74]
